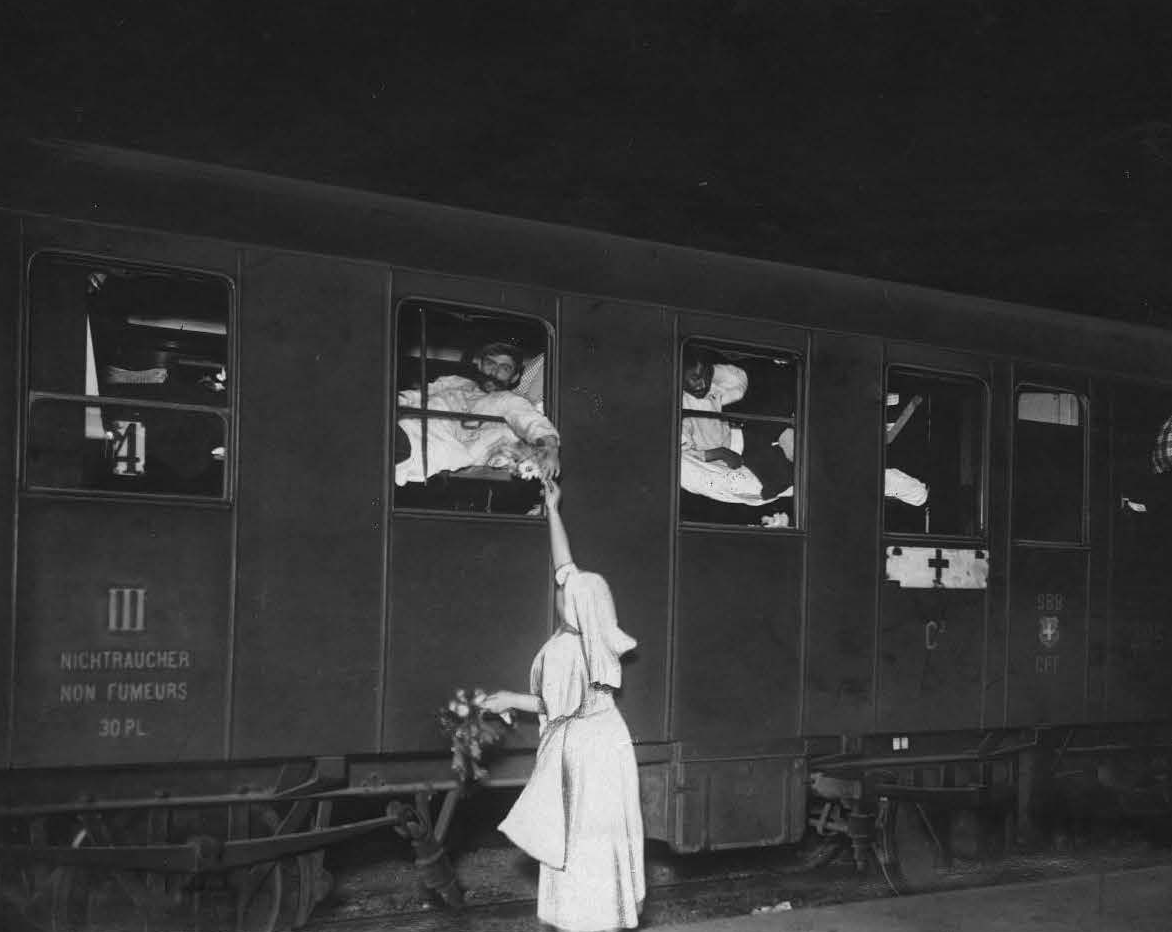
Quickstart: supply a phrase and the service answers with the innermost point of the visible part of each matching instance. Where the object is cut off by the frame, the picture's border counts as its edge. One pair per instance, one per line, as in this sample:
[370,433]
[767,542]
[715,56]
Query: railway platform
[1138,900]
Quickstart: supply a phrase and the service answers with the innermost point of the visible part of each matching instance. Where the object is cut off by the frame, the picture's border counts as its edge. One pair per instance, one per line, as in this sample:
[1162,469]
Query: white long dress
[579,815]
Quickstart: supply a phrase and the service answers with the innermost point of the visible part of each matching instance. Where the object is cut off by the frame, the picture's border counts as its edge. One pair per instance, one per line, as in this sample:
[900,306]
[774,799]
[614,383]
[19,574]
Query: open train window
[471,416]
[934,445]
[738,435]
[128,378]
[1049,465]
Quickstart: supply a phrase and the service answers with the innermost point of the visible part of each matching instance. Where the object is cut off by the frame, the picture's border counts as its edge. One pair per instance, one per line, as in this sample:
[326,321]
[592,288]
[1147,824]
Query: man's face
[697,379]
[500,370]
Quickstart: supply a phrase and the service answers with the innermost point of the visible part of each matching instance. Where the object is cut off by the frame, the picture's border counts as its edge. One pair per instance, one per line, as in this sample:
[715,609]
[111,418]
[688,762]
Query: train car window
[129,383]
[738,435]
[479,383]
[934,453]
[1049,466]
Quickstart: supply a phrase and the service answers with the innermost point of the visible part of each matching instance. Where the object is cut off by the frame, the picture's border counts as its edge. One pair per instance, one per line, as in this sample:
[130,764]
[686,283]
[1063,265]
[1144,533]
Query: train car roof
[126,188]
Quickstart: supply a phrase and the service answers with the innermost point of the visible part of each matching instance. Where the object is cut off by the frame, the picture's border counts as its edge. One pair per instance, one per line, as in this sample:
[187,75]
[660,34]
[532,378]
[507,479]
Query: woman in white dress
[579,814]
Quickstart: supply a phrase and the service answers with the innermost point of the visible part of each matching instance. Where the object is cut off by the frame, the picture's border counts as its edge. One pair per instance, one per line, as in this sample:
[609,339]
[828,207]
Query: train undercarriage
[245,848]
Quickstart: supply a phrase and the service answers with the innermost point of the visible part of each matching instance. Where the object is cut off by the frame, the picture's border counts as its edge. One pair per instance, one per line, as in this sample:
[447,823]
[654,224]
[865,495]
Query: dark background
[1019,150]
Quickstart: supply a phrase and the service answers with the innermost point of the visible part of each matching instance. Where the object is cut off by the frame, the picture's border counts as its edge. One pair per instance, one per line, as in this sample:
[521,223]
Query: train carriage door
[125,526]
[1140,642]
[739,579]
[472,406]
[933,603]
[1050,548]
[740,542]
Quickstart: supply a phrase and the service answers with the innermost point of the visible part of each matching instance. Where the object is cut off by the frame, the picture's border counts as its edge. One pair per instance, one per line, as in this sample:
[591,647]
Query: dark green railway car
[935,561]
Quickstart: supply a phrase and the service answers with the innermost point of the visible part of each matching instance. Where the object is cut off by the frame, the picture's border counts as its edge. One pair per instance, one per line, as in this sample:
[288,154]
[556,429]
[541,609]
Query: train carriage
[245,566]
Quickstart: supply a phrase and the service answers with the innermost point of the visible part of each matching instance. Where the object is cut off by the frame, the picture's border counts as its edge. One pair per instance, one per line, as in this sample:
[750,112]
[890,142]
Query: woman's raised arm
[559,542]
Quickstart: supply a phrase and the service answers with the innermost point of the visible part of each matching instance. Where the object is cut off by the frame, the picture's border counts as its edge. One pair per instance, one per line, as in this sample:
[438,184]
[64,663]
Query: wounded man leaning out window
[522,435]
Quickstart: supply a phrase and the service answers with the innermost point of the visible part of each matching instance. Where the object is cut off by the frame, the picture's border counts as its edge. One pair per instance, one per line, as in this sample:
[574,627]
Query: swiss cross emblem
[1048,630]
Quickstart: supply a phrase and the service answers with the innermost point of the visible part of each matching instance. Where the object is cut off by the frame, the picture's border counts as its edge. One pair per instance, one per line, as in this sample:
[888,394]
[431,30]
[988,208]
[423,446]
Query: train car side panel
[471,606]
[10,291]
[122,631]
[311,542]
[931,647]
[617,403]
[1140,641]
[843,575]
[1048,637]
[166,250]
[738,643]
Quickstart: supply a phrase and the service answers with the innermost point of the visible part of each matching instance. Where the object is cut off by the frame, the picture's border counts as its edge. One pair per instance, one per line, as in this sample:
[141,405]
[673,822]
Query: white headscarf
[589,607]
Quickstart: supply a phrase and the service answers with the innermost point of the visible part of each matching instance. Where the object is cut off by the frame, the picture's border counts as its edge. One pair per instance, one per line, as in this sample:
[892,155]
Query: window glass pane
[1049,466]
[479,382]
[103,329]
[738,435]
[153,344]
[135,448]
[935,436]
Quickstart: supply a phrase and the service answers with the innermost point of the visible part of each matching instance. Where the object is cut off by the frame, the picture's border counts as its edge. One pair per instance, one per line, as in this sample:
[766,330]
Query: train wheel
[911,851]
[269,896]
[315,882]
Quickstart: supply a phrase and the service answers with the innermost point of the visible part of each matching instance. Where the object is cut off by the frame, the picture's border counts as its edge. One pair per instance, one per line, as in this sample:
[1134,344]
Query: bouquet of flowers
[521,459]
[528,468]
[471,729]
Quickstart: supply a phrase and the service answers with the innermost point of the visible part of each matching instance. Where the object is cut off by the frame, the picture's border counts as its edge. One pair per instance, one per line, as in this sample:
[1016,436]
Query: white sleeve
[899,485]
[525,420]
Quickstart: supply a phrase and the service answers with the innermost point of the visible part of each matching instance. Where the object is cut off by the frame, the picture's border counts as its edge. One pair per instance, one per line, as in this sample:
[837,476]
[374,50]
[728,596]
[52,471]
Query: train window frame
[1084,414]
[770,517]
[482,491]
[898,412]
[126,451]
